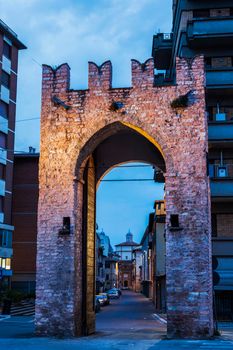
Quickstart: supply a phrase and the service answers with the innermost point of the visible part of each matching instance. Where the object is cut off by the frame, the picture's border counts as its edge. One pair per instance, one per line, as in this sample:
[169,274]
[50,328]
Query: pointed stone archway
[75,127]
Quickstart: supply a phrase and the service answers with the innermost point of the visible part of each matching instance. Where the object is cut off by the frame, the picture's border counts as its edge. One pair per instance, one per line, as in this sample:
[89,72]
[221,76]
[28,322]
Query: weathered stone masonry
[69,135]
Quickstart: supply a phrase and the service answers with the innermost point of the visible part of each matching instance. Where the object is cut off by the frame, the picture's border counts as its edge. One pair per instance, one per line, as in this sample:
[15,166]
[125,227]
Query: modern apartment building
[9,47]
[206,27]
[24,218]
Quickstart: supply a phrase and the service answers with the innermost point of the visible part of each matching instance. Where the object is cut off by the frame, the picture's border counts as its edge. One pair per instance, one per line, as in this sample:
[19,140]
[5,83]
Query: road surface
[126,324]
[131,314]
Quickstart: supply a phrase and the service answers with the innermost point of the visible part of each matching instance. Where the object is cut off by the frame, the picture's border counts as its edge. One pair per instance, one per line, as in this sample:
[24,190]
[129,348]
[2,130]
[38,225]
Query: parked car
[102,299]
[113,294]
[107,300]
[119,291]
[97,304]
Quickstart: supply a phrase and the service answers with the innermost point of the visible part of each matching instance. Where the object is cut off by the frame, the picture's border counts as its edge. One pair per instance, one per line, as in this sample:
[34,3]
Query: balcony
[6,273]
[2,187]
[3,125]
[3,155]
[220,131]
[6,252]
[1,217]
[208,32]
[221,188]
[5,94]
[6,64]
[219,78]
[162,49]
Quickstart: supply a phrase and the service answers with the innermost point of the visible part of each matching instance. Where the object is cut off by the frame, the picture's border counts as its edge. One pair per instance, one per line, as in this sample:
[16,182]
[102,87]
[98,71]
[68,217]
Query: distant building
[153,247]
[106,263]
[9,47]
[125,250]
[100,264]
[146,270]
[111,270]
[159,257]
[137,270]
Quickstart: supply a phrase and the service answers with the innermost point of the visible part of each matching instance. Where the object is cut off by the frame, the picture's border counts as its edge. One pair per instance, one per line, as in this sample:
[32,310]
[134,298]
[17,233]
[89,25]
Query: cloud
[76,32]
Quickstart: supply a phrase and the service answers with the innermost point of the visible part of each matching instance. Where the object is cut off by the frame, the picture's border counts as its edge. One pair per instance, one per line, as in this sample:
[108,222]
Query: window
[6,239]
[224,12]
[2,140]
[201,13]
[174,220]
[3,109]
[107,264]
[6,50]
[213,112]
[218,168]
[5,263]
[221,62]
[8,264]
[107,277]
[5,79]
[126,257]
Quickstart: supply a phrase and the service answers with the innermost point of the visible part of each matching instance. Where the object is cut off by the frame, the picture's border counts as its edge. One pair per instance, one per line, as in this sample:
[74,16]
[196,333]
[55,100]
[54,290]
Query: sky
[78,31]
[124,206]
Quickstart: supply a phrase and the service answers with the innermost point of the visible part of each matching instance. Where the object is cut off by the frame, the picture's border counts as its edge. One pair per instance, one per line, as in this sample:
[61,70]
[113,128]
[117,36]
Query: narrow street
[127,323]
[131,314]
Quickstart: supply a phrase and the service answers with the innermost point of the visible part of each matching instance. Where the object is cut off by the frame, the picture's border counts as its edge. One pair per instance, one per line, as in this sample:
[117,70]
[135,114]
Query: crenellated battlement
[57,80]
[100,77]
[142,73]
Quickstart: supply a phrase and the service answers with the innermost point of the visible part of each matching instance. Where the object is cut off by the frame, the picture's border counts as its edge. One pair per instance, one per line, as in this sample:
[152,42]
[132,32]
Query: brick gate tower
[81,132]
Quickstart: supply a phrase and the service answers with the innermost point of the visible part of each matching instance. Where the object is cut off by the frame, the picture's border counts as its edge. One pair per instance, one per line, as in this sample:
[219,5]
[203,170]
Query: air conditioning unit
[222,171]
[166,36]
[219,117]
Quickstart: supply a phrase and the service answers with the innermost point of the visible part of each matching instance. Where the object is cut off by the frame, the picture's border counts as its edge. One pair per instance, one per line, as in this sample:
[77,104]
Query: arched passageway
[123,145]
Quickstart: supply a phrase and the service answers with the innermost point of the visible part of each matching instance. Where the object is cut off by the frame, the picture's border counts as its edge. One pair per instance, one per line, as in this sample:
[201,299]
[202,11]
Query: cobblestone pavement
[128,323]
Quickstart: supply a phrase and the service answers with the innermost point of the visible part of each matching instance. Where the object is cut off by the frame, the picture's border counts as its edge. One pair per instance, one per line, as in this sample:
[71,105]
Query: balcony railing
[220,130]
[216,77]
[205,31]
[3,155]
